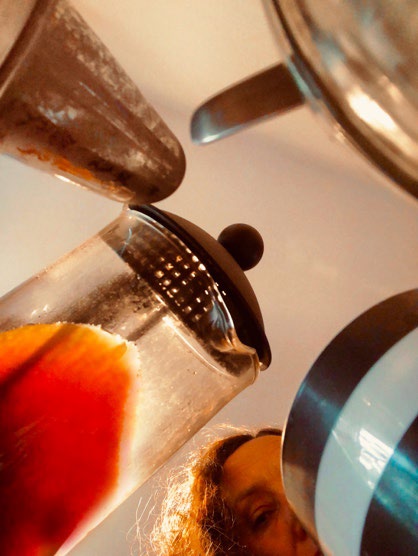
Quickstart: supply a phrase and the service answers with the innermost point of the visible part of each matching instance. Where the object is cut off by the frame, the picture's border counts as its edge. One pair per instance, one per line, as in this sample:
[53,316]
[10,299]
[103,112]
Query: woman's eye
[262,519]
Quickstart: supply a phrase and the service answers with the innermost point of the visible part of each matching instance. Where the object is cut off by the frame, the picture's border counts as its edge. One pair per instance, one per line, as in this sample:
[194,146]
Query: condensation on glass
[67,106]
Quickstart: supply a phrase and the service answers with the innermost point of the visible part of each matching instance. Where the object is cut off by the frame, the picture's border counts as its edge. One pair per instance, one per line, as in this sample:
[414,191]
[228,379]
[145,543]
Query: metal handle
[265,94]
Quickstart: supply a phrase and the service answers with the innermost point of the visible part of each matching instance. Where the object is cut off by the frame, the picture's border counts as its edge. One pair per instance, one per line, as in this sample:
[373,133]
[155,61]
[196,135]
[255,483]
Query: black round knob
[244,243]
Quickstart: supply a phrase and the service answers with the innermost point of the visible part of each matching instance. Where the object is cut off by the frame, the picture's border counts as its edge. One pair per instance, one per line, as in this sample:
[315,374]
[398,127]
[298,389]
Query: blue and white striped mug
[350,449]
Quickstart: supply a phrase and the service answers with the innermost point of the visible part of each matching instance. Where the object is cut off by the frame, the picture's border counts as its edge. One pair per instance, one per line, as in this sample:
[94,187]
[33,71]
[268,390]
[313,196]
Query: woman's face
[252,487]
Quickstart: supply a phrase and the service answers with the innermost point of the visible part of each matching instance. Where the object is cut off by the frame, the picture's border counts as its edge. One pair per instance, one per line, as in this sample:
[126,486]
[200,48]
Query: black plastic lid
[236,291]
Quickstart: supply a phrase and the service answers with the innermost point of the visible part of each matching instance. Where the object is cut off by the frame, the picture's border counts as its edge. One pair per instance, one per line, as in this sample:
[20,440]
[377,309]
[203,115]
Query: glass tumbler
[67,107]
[110,360]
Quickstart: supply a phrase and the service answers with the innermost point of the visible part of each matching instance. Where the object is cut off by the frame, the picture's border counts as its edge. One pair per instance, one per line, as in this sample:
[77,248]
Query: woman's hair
[195,519]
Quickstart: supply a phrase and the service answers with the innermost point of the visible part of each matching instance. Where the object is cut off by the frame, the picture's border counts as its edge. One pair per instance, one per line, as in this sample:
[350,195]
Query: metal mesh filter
[176,275]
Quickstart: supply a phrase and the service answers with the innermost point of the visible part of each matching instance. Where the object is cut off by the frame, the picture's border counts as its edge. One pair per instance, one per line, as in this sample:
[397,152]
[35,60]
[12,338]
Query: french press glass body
[112,358]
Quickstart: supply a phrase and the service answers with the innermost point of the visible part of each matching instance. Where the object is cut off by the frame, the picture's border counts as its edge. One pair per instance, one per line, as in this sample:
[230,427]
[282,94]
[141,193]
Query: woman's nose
[298,532]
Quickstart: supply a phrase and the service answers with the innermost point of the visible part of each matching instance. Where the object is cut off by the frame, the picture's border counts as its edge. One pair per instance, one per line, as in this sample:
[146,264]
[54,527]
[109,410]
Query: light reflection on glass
[64,178]
[43,309]
[374,454]
[373,114]
[370,111]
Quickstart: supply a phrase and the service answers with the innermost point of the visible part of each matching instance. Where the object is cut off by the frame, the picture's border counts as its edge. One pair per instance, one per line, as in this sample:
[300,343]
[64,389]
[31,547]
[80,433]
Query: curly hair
[195,519]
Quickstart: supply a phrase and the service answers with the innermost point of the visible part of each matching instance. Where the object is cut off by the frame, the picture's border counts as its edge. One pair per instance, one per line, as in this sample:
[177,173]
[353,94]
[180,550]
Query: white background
[338,236]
